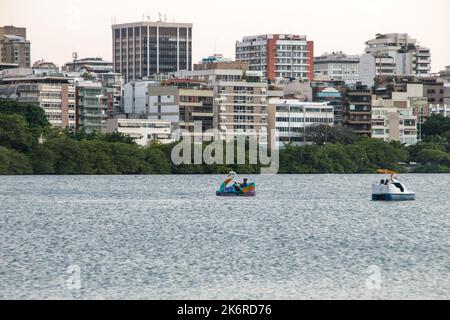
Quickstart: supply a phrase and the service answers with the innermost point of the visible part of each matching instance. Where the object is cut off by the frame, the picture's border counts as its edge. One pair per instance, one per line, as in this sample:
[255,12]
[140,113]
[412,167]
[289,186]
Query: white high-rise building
[289,119]
[394,54]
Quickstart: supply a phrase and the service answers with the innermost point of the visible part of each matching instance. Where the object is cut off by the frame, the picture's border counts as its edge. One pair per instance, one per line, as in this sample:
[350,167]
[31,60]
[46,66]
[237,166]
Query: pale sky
[58,27]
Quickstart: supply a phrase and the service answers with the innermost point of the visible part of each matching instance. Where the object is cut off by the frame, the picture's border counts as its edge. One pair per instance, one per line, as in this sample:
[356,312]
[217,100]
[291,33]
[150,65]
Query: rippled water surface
[170,237]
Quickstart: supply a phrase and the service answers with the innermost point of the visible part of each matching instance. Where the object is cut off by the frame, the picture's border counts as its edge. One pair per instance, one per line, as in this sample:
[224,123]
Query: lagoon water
[170,237]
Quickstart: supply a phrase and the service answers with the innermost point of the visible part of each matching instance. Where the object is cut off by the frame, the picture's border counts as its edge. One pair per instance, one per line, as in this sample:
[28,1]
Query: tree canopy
[28,145]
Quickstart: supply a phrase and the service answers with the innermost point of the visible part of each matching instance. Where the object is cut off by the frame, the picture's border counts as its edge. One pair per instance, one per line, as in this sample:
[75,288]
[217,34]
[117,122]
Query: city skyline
[85,27]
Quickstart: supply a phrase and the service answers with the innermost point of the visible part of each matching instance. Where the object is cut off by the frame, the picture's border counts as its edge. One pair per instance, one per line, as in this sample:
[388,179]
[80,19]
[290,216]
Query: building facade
[240,98]
[145,48]
[55,95]
[278,56]
[358,109]
[331,92]
[14,46]
[399,117]
[142,131]
[337,66]
[393,124]
[289,119]
[95,66]
[394,54]
[92,106]
[445,74]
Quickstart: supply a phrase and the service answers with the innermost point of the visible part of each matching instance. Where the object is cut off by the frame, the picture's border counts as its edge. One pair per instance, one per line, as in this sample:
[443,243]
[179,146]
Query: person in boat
[237,187]
[245,183]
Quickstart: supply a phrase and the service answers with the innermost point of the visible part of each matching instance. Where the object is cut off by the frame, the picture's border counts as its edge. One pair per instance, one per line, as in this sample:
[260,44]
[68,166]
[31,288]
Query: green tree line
[29,145]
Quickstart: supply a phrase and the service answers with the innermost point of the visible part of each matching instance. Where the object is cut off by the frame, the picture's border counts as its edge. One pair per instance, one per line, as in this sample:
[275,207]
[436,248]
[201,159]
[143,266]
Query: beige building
[240,98]
[14,46]
[55,95]
[397,119]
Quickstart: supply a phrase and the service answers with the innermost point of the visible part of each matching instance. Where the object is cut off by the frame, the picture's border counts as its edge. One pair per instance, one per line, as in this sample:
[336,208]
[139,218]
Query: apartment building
[358,109]
[94,66]
[337,66]
[144,48]
[55,95]
[390,123]
[113,83]
[240,98]
[394,54]
[278,56]
[142,131]
[185,103]
[14,46]
[445,74]
[289,119]
[400,117]
[92,106]
[333,92]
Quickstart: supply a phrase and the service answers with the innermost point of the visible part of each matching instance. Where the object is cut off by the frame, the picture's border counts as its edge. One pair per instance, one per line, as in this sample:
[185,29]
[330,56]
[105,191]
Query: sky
[56,28]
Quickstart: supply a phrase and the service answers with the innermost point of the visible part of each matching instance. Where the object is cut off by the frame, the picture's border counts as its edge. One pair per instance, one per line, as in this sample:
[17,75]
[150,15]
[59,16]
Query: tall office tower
[278,56]
[14,46]
[142,49]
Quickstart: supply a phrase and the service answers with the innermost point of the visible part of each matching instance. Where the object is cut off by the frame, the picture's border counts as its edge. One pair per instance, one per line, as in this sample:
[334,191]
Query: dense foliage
[28,145]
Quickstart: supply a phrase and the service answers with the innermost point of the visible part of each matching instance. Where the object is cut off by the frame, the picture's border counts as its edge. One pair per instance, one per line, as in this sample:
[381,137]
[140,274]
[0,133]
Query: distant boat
[391,189]
[236,190]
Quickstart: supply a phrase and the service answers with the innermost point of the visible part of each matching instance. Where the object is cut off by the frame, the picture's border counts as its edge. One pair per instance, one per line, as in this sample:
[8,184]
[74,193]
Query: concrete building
[393,124]
[278,56]
[14,46]
[215,58]
[55,95]
[92,106]
[291,89]
[144,48]
[358,109]
[433,90]
[331,92]
[45,68]
[135,98]
[113,83]
[289,119]
[394,54]
[399,118]
[337,66]
[93,66]
[440,109]
[240,98]
[142,131]
[7,66]
[179,101]
[445,74]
